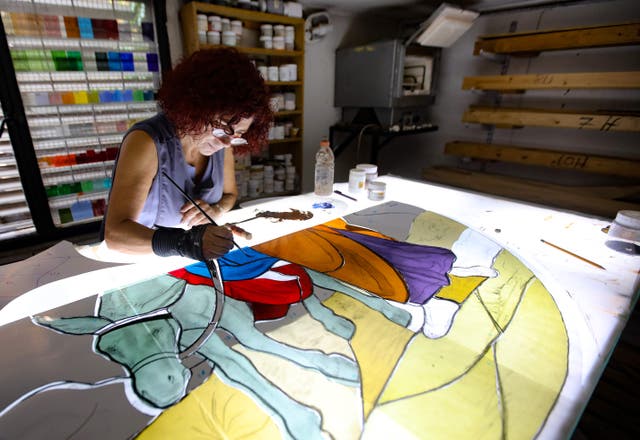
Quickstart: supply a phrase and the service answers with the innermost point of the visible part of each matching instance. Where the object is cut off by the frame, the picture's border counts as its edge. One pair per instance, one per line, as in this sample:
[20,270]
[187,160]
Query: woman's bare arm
[137,166]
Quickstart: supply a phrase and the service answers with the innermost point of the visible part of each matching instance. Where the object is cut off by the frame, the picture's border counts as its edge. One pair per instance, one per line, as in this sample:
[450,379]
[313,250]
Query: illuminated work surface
[599,299]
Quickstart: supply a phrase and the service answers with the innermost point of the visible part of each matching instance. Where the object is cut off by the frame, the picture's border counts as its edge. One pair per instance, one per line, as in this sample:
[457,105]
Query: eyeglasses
[222,129]
[226,126]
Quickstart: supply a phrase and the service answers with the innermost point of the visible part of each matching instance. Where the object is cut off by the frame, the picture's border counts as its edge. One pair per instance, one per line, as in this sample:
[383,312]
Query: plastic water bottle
[324,170]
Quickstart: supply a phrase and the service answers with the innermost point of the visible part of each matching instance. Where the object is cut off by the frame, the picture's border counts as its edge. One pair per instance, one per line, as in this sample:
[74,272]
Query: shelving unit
[249,44]
[86,71]
[601,200]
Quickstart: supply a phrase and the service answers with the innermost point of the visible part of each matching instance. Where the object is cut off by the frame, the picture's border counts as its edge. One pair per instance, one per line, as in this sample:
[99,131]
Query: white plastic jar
[278,43]
[377,190]
[213,37]
[357,179]
[215,23]
[278,30]
[284,73]
[229,38]
[266,30]
[371,170]
[272,73]
[236,26]
[266,42]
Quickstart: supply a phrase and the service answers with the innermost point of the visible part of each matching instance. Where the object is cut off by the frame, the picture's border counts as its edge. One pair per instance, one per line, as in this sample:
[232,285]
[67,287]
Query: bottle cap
[324,143]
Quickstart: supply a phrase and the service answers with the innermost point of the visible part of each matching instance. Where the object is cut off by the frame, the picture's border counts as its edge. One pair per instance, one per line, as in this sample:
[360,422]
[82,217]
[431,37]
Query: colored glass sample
[81,210]
[65,215]
[126,59]
[152,62]
[71,27]
[114,61]
[147,31]
[102,61]
[85,27]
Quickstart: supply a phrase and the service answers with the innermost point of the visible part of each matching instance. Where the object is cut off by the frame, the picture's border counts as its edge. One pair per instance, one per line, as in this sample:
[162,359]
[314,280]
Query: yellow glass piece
[81,97]
[501,294]
[460,288]
[466,408]
[433,229]
[432,363]
[213,410]
[377,344]
[532,359]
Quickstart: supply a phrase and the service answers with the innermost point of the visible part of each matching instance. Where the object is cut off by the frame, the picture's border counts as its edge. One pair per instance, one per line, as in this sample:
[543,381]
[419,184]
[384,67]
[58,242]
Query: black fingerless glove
[174,241]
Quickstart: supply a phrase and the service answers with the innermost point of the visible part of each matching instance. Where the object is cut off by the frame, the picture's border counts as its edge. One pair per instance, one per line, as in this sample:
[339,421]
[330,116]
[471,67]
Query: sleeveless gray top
[162,207]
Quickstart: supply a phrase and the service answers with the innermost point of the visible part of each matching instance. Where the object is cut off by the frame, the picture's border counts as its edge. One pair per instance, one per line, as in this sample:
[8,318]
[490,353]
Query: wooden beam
[559,39]
[528,190]
[548,158]
[591,80]
[516,117]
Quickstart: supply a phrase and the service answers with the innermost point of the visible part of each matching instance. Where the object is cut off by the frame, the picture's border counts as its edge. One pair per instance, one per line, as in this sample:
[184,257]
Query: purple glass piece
[423,268]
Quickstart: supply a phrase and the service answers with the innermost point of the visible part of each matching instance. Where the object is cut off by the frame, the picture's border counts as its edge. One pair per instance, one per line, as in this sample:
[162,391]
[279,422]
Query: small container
[272,73]
[266,42]
[202,37]
[278,131]
[284,73]
[371,170]
[289,184]
[278,185]
[215,23]
[213,37]
[293,72]
[289,101]
[226,24]
[266,30]
[278,30]
[288,44]
[357,179]
[229,38]
[263,72]
[377,190]
[202,23]
[278,43]
[236,26]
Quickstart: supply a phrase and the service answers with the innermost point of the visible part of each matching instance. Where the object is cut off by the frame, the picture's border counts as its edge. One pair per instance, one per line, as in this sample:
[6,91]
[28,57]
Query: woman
[211,100]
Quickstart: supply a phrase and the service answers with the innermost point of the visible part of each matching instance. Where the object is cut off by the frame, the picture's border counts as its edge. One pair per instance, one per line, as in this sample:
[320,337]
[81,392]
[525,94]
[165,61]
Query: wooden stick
[573,255]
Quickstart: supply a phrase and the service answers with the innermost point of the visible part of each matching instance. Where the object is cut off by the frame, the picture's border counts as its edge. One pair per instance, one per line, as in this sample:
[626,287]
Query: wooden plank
[590,80]
[528,190]
[548,158]
[560,39]
[515,117]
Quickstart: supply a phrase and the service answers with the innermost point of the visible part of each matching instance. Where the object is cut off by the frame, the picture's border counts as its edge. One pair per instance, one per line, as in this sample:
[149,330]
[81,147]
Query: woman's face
[214,139]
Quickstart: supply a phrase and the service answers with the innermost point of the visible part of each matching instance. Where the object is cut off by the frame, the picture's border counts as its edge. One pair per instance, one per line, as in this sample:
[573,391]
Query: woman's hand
[191,216]
[216,241]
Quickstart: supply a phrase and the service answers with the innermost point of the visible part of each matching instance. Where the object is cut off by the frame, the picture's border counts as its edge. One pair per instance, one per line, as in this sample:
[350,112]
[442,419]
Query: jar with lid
[229,38]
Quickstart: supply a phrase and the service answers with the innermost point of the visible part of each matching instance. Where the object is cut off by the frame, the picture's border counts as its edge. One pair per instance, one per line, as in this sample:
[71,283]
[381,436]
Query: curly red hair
[217,83]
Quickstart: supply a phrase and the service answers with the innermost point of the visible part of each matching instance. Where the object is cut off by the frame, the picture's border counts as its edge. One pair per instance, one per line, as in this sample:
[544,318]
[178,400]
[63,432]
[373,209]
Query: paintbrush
[573,255]
[193,202]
